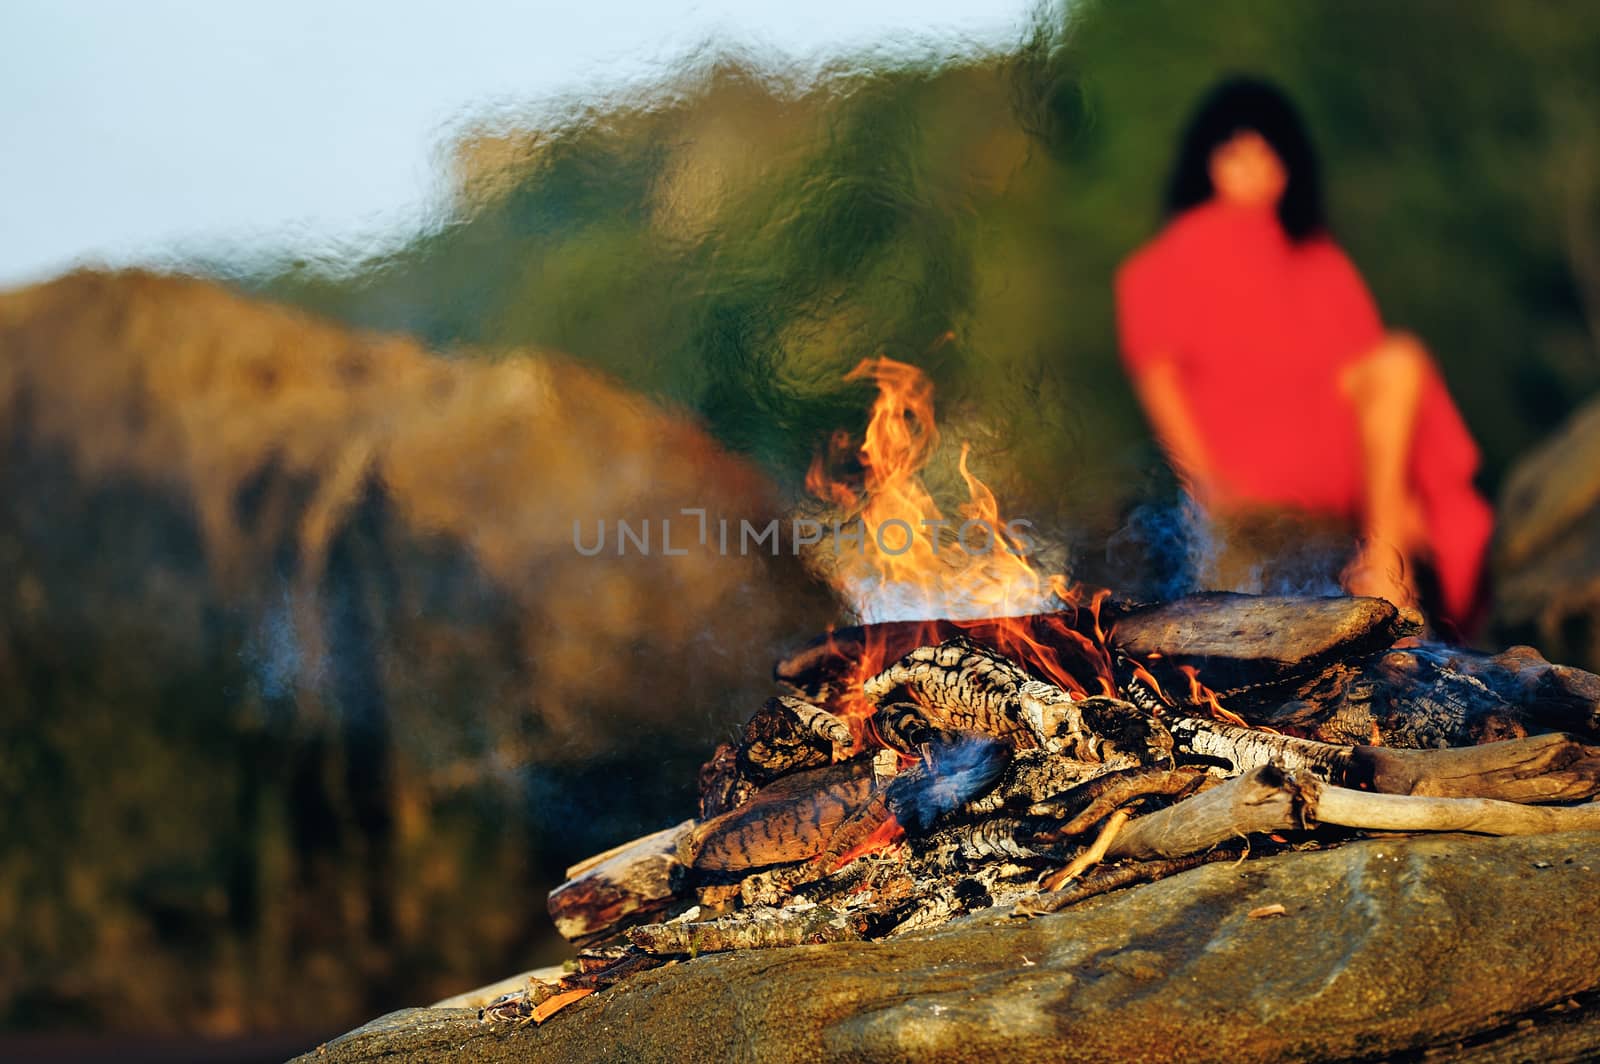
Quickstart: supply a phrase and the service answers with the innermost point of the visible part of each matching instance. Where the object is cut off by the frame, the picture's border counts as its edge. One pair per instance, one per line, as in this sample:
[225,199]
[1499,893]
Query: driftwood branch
[1541,768]
[1267,799]
[1262,800]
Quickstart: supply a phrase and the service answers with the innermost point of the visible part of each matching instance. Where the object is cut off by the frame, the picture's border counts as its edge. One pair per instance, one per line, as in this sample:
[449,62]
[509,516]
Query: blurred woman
[1271,381]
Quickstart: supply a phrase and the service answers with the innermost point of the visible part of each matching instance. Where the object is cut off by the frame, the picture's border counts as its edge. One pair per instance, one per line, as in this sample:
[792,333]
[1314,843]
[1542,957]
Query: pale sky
[130,131]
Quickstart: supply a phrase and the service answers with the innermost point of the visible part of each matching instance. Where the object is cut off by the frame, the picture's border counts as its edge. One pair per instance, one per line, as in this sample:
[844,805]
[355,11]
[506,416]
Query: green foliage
[968,213]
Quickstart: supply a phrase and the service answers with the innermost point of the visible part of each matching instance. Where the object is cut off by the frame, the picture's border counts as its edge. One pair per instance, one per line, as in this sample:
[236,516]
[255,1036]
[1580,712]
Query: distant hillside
[309,694]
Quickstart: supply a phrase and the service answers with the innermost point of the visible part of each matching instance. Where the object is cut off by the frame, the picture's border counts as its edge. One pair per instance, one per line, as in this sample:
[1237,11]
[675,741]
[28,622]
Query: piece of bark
[761,927]
[1249,648]
[628,882]
[1541,768]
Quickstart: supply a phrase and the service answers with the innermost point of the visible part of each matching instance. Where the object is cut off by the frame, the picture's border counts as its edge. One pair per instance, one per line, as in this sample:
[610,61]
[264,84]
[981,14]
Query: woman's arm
[1160,391]
[1385,388]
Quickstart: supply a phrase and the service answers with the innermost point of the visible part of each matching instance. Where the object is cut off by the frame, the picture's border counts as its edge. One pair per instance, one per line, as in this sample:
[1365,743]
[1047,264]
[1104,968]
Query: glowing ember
[887,835]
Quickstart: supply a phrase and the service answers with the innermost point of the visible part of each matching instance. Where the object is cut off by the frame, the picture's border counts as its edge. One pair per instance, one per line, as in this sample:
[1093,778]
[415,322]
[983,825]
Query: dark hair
[1242,103]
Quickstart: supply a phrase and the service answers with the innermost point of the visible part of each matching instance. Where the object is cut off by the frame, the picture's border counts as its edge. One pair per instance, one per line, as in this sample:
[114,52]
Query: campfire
[995,737]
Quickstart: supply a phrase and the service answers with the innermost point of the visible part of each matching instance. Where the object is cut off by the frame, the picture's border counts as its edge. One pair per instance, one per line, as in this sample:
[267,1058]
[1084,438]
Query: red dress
[1259,329]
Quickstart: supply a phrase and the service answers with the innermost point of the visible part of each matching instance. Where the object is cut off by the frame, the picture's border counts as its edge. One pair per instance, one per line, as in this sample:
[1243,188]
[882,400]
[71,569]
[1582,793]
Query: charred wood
[964,687]
[722,786]
[627,883]
[960,686]
[785,735]
[789,734]
[1031,783]
[961,846]
[949,898]
[1234,750]
[1254,649]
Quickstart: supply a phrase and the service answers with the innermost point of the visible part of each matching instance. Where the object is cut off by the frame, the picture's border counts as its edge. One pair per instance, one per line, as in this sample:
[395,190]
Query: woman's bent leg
[1386,390]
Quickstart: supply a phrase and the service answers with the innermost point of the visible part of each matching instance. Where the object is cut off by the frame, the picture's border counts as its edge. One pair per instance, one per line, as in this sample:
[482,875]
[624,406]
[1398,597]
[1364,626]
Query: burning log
[964,687]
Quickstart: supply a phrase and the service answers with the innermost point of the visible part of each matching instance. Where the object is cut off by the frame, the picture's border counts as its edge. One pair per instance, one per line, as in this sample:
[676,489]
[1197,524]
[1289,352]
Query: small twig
[554,1005]
[1114,789]
[1113,877]
[1090,857]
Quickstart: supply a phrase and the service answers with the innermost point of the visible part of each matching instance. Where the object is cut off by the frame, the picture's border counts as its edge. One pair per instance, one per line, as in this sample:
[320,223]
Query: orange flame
[912,563]
[1201,695]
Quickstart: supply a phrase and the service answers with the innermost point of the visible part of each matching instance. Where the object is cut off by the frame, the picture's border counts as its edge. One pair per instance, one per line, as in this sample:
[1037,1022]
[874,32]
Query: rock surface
[1547,546]
[299,607]
[1455,944]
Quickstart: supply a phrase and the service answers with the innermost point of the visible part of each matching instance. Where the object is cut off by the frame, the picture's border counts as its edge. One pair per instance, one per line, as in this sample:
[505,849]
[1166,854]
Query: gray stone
[1546,562]
[1450,943]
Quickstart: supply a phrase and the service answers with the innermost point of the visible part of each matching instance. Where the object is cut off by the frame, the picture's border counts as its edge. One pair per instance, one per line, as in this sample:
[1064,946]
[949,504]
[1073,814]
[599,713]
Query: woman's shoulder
[1204,233]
